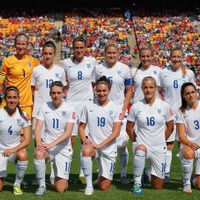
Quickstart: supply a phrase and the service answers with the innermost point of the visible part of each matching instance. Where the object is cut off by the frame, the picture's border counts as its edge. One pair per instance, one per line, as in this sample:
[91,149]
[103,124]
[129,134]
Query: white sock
[20,171]
[148,173]
[40,169]
[81,174]
[187,166]
[168,162]
[123,155]
[86,163]
[139,163]
[52,173]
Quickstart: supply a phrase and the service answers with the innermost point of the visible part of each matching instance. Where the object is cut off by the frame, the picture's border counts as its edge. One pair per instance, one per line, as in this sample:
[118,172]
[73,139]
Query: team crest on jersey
[19,121]
[30,64]
[111,112]
[119,71]
[57,75]
[88,65]
[155,72]
[64,113]
[159,111]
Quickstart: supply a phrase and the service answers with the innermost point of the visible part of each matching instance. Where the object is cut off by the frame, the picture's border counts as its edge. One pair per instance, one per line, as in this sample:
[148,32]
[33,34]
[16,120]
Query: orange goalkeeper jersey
[18,73]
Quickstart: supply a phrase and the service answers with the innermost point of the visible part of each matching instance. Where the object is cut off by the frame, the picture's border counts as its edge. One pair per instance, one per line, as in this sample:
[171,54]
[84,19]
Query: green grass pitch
[117,191]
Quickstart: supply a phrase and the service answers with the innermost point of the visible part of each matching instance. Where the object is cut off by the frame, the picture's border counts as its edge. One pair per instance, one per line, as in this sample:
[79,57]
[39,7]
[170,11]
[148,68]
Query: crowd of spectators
[98,26]
[165,30]
[39,27]
[162,30]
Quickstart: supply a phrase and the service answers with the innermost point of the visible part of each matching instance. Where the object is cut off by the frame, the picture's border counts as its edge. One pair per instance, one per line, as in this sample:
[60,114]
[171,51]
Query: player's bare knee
[157,186]
[61,186]
[188,153]
[104,187]
[141,147]
[87,151]
[22,155]
[39,155]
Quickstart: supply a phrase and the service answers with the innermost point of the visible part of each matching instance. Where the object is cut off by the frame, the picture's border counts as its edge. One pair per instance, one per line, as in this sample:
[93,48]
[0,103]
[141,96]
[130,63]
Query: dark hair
[50,44]
[21,35]
[183,101]
[58,84]
[13,88]
[145,48]
[104,80]
[79,38]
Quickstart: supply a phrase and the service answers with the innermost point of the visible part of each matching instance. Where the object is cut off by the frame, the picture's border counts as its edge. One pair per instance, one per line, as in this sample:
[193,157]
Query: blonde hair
[183,67]
[111,44]
[149,78]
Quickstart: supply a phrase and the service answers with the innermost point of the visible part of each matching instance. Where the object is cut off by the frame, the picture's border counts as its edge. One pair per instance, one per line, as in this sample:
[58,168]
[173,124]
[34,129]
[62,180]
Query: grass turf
[117,191]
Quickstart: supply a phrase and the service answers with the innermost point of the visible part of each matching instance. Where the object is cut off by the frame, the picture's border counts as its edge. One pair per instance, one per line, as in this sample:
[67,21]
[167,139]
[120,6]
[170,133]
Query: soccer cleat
[17,190]
[124,180]
[137,188]
[82,180]
[89,191]
[187,189]
[145,179]
[41,191]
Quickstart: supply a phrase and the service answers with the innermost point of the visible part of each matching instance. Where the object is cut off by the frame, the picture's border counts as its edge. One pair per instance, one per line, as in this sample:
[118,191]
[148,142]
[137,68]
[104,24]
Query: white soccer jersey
[100,123]
[55,121]
[119,76]
[138,75]
[10,129]
[172,82]
[151,123]
[42,78]
[191,120]
[79,76]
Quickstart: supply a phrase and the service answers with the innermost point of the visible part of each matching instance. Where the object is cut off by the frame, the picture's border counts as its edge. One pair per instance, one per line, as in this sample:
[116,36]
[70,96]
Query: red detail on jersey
[73,115]
[171,112]
[121,117]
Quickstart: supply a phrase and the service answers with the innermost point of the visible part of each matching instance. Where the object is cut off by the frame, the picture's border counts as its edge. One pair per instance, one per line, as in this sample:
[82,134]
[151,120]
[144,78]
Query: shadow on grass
[76,186]
[173,185]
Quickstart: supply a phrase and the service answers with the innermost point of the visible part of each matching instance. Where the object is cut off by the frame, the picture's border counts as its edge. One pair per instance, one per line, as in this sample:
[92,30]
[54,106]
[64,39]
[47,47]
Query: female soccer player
[78,72]
[154,119]
[42,78]
[121,93]
[103,118]
[188,126]
[17,70]
[12,121]
[171,80]
[44,75]
[144,69]
[55,145]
